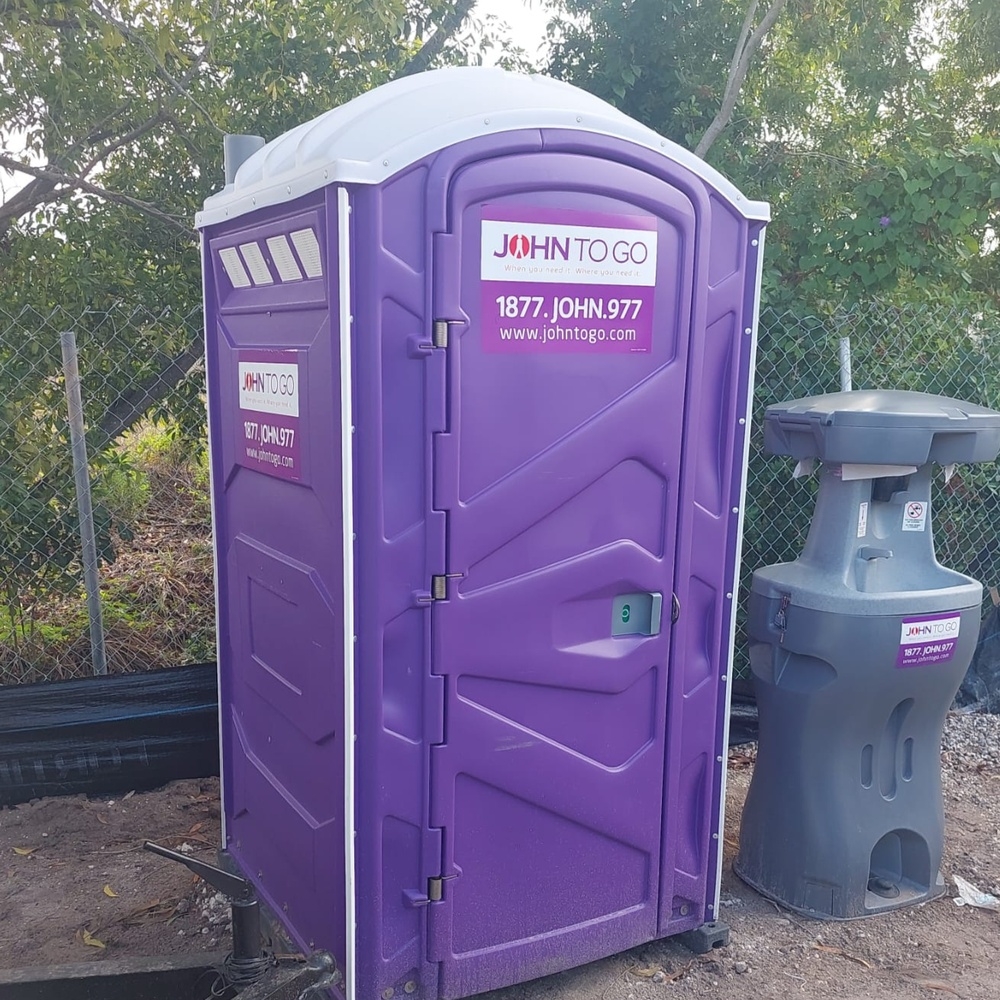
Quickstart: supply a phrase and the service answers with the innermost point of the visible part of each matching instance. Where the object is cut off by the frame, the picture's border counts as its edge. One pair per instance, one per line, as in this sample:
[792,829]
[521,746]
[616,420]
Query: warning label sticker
[928,639]
[914,516]
[862,520]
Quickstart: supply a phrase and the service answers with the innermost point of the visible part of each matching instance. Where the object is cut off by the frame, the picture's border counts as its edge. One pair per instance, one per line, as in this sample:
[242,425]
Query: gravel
[972,741]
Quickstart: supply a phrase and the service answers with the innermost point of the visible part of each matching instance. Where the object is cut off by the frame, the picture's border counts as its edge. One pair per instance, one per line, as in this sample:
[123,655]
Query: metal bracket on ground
[702,940]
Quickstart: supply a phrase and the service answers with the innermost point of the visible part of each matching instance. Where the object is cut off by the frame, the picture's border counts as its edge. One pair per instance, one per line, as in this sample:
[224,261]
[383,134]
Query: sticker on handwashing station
[555,281]
[928,639]
[914,516]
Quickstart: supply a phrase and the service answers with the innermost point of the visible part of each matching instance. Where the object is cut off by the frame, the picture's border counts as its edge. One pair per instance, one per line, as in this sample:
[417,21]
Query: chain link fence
[142,383]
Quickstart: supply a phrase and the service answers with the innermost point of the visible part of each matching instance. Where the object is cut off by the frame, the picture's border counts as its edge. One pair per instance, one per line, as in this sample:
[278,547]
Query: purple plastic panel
[399,405]
[560,474]
[280,569]
[707,549]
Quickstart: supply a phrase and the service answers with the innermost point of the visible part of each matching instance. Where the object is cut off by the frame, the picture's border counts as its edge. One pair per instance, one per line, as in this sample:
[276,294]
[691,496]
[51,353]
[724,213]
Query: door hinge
[439,331]
[421,347]
[434,894]
[439,588]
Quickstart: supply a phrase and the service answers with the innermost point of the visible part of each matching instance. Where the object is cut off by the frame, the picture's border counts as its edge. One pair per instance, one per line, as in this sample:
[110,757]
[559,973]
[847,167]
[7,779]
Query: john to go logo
[272,383]
[562,246]
[518,246]
[269,388]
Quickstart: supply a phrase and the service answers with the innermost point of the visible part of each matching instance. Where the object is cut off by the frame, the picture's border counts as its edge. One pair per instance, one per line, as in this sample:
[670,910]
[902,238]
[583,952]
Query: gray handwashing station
[857,649]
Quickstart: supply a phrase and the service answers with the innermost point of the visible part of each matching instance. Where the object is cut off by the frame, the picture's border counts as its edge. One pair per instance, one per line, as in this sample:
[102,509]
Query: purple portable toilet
[479,364]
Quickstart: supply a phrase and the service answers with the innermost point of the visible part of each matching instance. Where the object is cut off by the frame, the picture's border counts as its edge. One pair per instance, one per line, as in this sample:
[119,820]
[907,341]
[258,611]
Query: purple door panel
[560,477]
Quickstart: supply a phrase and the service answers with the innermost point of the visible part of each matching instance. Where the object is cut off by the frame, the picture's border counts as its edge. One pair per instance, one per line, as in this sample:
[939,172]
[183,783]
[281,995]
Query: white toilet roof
[381,132]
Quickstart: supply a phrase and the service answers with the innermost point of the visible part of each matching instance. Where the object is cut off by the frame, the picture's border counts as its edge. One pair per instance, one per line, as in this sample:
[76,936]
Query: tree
[885,181]
[751,38]
[872,135]
[94,88]
[677,67]
[120,109]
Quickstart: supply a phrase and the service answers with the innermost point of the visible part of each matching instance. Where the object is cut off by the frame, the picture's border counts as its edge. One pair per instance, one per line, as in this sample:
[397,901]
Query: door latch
[675,609]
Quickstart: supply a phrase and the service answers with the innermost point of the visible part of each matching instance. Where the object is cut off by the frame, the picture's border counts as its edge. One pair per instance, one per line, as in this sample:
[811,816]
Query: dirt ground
[79,887]
[86,884]
[934,950]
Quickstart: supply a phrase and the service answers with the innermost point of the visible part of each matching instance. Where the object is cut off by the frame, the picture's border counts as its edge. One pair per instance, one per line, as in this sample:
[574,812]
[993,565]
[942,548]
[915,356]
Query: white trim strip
[347,502]
[212,498]
[748,430]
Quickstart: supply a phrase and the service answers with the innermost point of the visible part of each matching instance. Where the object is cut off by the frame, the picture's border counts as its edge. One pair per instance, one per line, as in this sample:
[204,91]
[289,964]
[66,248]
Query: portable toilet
[479,355]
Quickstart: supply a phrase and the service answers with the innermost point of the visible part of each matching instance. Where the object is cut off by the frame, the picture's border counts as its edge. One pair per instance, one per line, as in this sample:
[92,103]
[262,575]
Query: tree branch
[19,7]
[434,46]
[123,140]
[33,194]
[101,131]
[741,43]
[746,48]
[178,86]
[62,175]
[41,189]
[135,404]
[70,182]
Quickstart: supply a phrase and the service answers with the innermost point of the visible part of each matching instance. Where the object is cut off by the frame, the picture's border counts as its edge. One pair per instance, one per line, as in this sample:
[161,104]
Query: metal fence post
[845,365]
[81,474]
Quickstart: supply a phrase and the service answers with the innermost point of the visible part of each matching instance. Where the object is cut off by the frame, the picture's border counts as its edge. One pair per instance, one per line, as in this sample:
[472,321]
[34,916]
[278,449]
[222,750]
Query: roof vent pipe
[237,149]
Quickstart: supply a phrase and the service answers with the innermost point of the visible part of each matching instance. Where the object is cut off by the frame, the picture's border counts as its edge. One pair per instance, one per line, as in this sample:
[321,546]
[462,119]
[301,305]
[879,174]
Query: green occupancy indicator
[636,614]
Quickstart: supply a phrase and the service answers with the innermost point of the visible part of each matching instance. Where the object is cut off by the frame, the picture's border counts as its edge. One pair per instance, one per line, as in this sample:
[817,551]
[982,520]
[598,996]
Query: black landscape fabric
[980,691]
[107,735]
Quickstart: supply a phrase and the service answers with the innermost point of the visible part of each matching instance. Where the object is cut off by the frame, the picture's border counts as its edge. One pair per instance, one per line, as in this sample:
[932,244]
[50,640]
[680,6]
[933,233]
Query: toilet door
[566,280]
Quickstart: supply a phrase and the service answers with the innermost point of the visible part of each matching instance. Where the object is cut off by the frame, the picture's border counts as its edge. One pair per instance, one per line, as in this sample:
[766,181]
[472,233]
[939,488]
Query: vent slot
[307,247]
[238,276]
[254,260]
[284,259]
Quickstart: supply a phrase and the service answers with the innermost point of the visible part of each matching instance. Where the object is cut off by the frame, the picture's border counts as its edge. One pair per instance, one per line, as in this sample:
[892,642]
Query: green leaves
[133,97]
[855,112]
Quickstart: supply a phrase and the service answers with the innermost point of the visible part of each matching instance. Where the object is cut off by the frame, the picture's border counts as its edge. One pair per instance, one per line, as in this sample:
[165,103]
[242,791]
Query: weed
[124,492]
[157,596]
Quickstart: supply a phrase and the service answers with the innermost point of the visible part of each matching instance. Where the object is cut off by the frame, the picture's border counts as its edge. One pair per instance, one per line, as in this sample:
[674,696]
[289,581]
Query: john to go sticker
[928,639]
[557,281]
[269,429]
